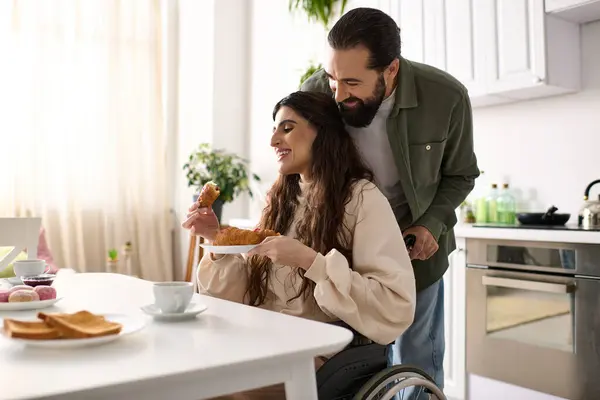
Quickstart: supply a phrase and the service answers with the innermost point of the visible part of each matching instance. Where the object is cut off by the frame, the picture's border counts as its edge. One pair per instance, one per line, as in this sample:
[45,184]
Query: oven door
[536,331]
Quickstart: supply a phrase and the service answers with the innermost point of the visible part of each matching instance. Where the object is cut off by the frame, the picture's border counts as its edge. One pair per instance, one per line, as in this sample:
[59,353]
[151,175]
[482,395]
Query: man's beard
[362,114]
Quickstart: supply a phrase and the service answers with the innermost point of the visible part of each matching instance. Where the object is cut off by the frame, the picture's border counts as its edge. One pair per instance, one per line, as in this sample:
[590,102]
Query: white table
[228,348]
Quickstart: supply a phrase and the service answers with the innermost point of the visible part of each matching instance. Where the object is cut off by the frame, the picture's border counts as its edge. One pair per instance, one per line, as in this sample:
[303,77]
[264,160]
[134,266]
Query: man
[413,125]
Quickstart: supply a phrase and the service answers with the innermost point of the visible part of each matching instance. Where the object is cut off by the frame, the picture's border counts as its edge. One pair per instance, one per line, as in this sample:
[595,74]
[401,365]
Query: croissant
[239,237]
[208,195]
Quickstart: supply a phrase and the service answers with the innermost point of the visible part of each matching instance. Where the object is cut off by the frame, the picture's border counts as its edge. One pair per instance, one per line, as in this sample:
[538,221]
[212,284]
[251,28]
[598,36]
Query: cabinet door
[513,31]
[441,33]
[454,322]
[409,17]
[465,51]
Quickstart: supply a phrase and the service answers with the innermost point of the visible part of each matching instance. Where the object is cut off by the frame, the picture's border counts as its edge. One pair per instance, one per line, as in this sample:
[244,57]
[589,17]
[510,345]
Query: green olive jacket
[430,130]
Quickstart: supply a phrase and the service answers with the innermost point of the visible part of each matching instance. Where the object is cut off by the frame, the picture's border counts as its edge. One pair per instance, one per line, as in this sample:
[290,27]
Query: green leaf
[308,73]
[113,254]
[321,11]
[228,170]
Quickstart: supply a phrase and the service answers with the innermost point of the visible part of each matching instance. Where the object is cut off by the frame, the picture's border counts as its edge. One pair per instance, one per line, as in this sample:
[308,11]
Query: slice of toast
[33,330]
[82,324]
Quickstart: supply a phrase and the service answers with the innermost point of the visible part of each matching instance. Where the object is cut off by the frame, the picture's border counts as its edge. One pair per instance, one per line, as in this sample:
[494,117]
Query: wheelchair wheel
[385,384]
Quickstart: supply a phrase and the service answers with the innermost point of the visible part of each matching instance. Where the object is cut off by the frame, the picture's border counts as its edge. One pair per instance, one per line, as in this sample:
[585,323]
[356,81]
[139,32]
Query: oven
[533,315]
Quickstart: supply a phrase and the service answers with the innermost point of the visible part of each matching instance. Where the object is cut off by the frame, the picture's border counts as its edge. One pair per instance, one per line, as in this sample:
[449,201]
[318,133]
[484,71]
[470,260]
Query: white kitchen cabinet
[502,50]
[580,11]
[454,326]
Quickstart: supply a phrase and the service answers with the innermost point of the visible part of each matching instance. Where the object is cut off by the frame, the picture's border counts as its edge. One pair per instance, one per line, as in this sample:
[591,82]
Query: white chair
[23,234]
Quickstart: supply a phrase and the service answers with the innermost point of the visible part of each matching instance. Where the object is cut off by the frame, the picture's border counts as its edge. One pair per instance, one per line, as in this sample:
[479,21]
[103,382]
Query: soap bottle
[506,206]
[492,204]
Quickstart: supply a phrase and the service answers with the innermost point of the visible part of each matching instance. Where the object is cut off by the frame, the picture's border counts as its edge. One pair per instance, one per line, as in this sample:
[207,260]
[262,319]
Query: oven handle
[528,285]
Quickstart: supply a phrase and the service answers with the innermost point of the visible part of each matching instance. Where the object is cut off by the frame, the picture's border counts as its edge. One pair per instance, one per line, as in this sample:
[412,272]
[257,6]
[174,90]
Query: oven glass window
[532,256]
[539,315]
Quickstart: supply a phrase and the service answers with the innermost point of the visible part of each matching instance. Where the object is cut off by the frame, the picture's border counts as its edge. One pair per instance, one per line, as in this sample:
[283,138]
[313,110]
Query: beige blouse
[377,297]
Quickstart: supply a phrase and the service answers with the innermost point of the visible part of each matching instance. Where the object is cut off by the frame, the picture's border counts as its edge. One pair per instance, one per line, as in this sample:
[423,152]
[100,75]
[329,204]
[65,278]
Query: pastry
[4,293]
[20,287]
[208,195]
[45,292]
[239,237]
[23,295]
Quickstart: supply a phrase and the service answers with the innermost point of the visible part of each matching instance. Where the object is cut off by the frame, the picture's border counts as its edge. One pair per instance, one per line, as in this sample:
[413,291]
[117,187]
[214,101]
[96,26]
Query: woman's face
[292,140]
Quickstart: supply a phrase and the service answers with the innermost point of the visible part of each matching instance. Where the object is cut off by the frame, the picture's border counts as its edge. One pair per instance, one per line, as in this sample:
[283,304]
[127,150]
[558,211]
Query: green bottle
[480,199]
[492,204]
[506,205]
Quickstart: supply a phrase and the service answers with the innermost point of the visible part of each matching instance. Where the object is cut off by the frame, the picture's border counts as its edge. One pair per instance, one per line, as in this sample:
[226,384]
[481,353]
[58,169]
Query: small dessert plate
[190,313]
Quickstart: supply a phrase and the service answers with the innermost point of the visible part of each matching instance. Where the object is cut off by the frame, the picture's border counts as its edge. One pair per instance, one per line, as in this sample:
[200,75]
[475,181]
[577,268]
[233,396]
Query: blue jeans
[422,344]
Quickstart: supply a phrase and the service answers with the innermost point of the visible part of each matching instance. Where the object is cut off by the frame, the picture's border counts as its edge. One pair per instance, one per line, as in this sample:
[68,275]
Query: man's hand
[425,246]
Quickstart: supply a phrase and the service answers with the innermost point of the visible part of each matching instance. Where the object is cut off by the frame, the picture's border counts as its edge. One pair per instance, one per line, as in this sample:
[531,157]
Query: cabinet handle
[528,285]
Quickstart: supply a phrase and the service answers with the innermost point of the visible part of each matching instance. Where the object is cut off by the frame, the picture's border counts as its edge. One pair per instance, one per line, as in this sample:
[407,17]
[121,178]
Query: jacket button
[428,147]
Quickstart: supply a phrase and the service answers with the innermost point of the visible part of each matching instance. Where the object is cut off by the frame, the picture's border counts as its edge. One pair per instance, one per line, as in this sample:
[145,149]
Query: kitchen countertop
[568,234]
[469,231]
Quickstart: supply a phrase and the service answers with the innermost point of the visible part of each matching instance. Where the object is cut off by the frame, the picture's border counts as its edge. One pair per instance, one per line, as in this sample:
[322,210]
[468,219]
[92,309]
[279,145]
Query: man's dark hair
[370,28]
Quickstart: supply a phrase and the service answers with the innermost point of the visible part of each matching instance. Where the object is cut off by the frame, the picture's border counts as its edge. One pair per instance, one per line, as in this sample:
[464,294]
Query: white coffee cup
[173,297]
[29,267]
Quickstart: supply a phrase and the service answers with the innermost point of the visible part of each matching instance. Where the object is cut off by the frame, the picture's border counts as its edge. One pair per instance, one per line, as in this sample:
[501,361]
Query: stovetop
[544,227]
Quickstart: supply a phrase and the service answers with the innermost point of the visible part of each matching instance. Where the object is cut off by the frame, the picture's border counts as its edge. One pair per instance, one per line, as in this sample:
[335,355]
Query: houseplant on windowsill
[227,170]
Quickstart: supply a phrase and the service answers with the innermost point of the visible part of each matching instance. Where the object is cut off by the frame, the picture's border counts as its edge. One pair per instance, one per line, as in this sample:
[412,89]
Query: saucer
[190,313]
[14,281]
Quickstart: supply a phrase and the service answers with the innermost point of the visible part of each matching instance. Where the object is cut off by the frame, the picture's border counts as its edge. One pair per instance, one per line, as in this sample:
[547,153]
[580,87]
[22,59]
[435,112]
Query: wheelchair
[360,372]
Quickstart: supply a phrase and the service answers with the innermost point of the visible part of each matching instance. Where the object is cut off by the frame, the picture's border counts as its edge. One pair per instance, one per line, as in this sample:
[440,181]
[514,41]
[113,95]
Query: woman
[341,255]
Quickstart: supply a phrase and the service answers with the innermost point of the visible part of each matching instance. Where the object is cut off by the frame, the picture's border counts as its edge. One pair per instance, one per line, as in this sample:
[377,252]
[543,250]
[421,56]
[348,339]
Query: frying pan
[548,218]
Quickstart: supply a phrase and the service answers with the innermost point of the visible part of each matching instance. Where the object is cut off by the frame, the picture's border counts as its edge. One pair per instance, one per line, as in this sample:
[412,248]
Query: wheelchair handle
[409,241]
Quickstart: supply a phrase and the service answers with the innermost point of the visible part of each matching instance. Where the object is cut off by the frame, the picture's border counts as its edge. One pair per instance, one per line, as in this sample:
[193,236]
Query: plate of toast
[78,329]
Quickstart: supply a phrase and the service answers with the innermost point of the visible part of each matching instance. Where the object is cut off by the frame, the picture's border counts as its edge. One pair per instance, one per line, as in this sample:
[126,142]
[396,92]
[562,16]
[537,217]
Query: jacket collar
[406,91]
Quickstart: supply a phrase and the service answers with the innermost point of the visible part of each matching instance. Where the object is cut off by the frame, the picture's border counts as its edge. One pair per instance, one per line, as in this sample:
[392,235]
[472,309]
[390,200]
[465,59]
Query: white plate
[190,313]
[131,324]
[228,249]
[28,305]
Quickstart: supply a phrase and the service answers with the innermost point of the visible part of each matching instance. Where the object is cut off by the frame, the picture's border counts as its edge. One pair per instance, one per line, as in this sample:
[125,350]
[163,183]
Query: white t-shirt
[374,146]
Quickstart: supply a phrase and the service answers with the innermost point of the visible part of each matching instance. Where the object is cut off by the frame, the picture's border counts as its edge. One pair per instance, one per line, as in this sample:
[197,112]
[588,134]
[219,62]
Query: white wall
[212,96]
[547,149]
[194,117]
[282,46]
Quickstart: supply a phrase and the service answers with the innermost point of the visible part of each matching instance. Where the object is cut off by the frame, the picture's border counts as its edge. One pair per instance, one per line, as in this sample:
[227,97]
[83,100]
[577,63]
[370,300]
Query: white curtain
[81,127]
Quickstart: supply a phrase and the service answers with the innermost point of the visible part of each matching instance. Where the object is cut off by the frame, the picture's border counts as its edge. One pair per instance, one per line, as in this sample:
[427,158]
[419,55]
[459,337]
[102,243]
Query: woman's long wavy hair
[336,167]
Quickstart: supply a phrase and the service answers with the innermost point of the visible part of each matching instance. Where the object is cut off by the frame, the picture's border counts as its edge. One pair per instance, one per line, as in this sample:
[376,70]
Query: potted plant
[322,11]
[227,170]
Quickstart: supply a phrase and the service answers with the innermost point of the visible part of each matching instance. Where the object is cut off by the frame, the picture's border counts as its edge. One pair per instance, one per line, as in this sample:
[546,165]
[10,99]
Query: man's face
[359,91]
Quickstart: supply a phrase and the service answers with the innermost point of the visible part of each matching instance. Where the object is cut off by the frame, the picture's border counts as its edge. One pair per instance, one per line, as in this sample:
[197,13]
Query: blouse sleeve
[224,277]
[377,296]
